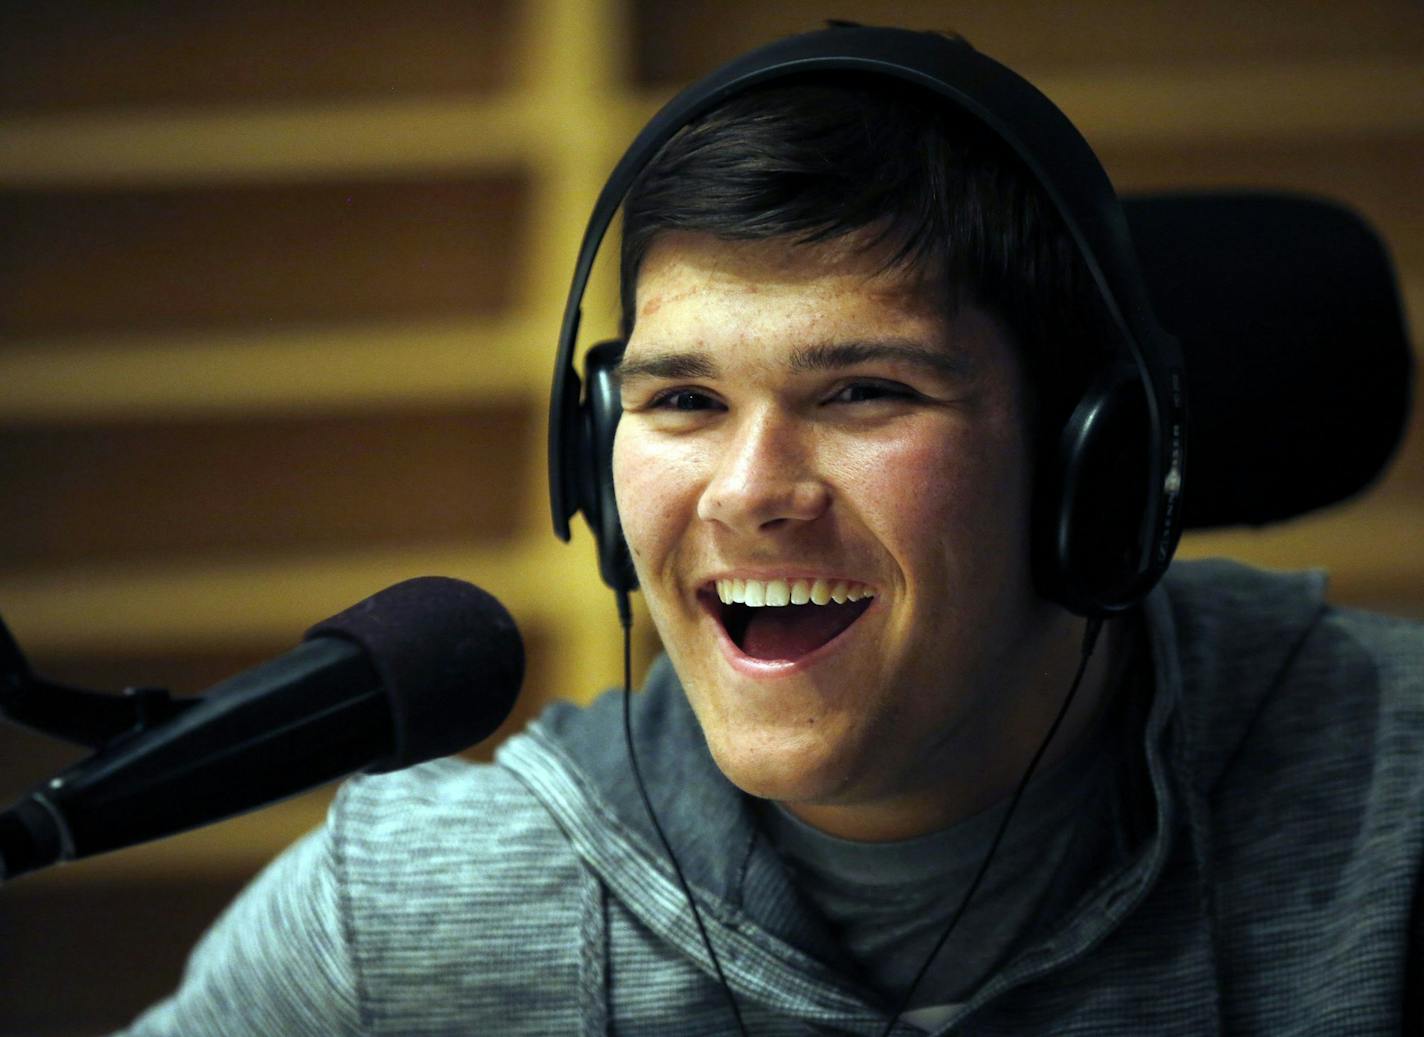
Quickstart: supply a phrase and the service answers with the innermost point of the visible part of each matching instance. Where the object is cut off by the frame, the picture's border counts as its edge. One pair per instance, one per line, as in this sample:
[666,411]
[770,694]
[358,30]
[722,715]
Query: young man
[853,325]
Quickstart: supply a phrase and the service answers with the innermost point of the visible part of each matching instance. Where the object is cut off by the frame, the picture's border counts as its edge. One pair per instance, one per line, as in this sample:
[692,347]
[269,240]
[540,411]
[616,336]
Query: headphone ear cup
[1094,496]
[598,423]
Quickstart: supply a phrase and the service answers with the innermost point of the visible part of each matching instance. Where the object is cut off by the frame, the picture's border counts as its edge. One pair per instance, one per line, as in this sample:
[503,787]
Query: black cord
[1090,640]
[625,620]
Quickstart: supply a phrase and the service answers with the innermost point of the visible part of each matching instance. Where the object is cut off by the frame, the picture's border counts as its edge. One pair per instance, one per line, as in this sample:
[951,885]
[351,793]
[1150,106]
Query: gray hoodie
[1267,881]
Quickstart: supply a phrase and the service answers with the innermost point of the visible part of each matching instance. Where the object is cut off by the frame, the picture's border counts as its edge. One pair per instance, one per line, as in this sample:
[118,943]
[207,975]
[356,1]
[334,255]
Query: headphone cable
[625,620]
[1090,640]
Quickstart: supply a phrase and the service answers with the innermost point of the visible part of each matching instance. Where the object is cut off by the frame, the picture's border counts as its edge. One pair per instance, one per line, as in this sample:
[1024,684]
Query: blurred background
[279,290]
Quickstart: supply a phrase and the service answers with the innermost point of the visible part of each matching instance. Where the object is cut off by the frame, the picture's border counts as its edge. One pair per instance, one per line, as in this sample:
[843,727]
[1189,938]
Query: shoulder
[1305,742]
[446,828]
[1304,721]
[1244,639]
[428,896]
[456,890]
[1290,705]
[450,802]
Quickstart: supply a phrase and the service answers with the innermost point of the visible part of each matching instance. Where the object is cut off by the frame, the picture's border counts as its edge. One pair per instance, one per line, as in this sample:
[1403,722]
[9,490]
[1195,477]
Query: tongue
[791,631]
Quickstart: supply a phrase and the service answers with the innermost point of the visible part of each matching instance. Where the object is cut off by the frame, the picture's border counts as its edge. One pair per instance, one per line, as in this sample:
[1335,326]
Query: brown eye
[866,392]
[684,400]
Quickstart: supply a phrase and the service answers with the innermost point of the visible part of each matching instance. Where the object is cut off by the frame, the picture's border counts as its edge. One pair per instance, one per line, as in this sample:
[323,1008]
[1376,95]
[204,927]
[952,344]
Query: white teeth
[775,593]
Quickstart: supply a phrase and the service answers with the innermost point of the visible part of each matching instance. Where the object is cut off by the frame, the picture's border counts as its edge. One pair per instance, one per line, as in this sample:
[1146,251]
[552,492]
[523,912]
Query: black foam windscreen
[1292,331]
[448,655]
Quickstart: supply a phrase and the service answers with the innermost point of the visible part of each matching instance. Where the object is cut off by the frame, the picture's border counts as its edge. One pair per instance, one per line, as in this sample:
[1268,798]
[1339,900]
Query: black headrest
[1298,365]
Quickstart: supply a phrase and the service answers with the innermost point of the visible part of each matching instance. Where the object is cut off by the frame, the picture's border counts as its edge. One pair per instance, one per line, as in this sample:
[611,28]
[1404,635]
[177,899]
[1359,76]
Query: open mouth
[783,620]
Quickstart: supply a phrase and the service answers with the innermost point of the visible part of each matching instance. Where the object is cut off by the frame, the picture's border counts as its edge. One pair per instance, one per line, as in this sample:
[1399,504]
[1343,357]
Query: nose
[764,477]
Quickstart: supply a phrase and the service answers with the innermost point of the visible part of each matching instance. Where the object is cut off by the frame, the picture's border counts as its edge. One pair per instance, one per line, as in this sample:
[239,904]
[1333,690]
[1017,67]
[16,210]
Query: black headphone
[1107,497]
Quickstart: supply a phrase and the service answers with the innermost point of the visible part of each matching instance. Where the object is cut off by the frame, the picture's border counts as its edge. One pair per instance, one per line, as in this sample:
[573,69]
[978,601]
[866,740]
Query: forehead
[687,277]
[708,307]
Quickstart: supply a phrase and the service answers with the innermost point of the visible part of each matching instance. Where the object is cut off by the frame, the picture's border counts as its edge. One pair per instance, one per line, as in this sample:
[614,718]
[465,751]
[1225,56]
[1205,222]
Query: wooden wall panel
[167,490]
[92,261]
[674,42]
[1379,176]
[64,54]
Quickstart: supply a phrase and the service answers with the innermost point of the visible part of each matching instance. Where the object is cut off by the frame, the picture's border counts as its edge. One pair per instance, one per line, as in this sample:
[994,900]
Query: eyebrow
[833,356]
[825,357]
[666,364]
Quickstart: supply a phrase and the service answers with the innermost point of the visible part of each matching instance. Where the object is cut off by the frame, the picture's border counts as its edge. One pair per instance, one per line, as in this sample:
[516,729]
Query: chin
[786,767]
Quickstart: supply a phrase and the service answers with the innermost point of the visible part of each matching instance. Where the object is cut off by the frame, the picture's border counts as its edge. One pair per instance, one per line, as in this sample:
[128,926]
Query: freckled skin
[930,706]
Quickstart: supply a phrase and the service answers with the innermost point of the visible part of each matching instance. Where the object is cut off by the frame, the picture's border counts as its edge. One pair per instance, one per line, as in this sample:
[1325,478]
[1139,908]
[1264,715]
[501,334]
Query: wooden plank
[149,492]
[196,603]
[674,43]
[1377,175]
[261,372]
[1326,104]
[66,54]
[334,139]
[89,261]
[1374,553]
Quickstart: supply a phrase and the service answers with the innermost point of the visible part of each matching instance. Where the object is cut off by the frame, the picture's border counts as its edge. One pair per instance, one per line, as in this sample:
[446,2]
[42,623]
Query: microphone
[422,669]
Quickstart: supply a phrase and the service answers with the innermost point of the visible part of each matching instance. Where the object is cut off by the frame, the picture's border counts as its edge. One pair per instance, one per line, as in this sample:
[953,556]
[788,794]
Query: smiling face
[801,426]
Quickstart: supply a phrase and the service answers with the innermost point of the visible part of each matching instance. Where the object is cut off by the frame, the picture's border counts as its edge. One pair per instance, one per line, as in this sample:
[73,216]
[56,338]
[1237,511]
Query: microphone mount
[94,719]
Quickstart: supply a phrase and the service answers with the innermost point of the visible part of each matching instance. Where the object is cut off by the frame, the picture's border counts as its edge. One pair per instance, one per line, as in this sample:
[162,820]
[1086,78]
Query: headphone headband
[1016,112]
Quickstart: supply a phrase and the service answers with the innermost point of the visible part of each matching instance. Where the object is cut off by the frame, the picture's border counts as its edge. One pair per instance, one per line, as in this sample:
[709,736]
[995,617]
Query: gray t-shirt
[889,902]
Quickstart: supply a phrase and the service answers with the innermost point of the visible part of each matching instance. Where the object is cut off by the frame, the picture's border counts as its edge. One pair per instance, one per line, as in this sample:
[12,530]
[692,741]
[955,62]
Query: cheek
[944,499]
[653,490]
[631,489]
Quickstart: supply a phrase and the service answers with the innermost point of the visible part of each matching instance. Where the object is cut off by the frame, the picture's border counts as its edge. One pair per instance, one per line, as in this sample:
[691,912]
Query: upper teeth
[757,593]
